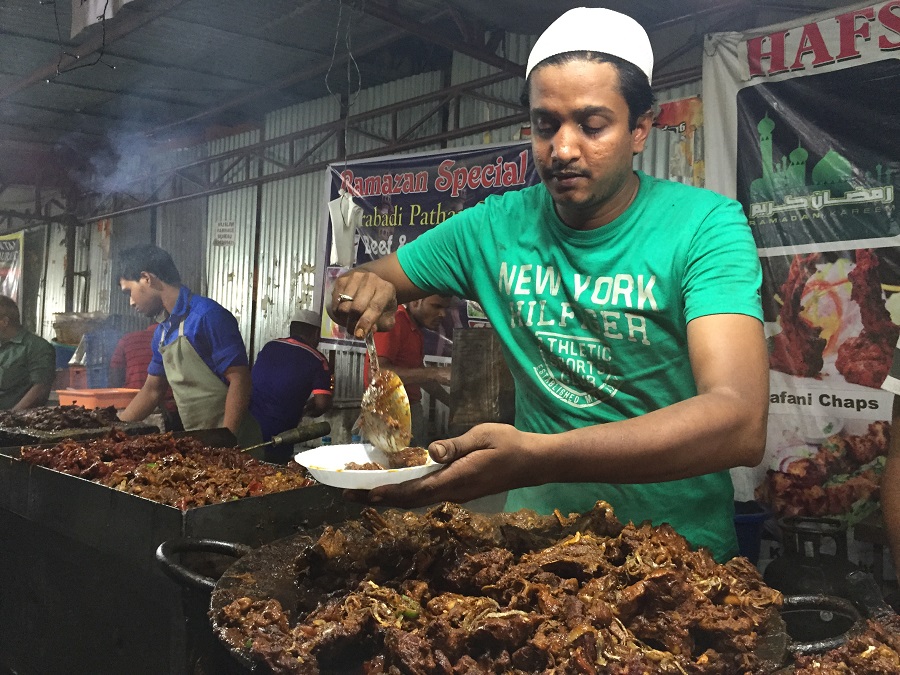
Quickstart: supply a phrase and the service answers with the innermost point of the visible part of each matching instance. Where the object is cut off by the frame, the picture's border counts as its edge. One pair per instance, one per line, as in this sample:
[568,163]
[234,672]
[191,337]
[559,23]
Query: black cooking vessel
[268,572]
[205,651]
[265,572]
[87,589]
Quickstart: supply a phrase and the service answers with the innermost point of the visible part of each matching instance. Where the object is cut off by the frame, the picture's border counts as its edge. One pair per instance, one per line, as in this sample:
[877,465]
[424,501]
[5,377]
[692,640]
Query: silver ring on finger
[345,298]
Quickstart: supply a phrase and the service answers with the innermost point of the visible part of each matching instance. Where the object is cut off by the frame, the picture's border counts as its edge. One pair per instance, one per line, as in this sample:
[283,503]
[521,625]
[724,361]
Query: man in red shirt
[131,358]
[402,349]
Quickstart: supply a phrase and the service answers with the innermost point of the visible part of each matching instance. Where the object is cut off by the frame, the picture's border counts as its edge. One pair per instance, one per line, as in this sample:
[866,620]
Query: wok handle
[866,594]
[166,557]
[822,603]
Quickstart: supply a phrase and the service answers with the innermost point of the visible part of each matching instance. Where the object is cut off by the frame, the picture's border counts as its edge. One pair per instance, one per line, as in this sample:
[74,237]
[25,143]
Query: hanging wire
[62,50]
[351,100]
[352,65]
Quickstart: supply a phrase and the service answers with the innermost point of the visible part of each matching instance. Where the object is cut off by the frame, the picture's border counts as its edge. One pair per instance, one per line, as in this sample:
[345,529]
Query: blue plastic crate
[63,354]
[99,346]
[98,376]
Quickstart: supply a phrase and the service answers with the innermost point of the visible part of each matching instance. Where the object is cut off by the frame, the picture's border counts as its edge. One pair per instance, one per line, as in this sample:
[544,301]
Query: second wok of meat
[451,591]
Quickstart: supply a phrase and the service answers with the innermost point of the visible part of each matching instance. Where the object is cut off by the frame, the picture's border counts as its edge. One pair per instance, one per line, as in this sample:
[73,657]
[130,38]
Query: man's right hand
[362,301]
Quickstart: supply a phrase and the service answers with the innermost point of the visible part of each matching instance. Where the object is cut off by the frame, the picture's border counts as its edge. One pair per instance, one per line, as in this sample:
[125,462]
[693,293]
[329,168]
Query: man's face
[581,143]
[8,328]
[430,311]
[143,297]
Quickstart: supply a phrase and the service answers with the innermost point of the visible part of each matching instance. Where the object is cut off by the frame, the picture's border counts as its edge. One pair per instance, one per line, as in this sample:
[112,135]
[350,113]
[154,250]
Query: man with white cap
[628,308]
[291,378]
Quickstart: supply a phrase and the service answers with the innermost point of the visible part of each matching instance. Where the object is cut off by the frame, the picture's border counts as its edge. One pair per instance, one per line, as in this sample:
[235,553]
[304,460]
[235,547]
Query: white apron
[199,393]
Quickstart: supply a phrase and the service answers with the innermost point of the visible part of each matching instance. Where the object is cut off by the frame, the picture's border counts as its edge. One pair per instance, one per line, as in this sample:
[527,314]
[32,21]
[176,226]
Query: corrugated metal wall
[181,226]
[290,218]
[99,266]
[229,266]
[231,237]
[181,230]
[348,373]
[53,289]
[25,198]
[466,69]
[296,118]
[289,253]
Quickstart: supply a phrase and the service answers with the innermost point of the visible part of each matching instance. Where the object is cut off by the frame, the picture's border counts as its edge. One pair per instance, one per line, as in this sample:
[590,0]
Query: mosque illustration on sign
[783,185]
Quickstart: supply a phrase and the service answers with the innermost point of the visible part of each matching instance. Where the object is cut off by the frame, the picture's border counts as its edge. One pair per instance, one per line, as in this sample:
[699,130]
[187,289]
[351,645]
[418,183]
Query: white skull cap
[594,29]
[307,316]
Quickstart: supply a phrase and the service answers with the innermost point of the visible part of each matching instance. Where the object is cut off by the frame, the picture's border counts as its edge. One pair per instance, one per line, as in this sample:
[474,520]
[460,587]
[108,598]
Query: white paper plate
[326,464]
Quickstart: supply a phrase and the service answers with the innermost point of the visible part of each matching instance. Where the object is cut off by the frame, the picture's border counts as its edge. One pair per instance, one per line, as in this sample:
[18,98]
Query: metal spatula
[385,419]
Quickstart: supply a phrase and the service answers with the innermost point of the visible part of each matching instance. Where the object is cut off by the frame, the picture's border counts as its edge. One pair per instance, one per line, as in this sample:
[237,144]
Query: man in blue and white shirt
[197,349]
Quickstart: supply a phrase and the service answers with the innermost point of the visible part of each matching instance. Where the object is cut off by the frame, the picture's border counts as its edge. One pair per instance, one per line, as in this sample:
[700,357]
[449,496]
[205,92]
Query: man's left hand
[486,460]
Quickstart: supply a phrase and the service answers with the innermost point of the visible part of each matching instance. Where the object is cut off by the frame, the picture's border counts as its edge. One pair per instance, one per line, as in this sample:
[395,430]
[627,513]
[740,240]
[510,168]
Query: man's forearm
[317,405]
[144,403]
[36,395]
[707,433]
[237,400]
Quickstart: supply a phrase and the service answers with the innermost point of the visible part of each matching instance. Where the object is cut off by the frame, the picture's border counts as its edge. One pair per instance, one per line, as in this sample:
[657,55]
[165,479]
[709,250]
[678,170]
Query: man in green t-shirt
[628,309]
[27,362]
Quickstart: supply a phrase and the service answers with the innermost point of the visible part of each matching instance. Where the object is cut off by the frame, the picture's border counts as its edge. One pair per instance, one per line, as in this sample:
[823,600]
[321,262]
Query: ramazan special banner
[378,206]
[803,129]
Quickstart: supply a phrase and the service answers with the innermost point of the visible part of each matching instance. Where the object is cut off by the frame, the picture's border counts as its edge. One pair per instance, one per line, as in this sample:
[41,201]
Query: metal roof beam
[304,75]
[199,171]
[468,46]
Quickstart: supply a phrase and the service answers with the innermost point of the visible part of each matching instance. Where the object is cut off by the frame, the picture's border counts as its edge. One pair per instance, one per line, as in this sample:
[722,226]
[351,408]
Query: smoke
[119,164]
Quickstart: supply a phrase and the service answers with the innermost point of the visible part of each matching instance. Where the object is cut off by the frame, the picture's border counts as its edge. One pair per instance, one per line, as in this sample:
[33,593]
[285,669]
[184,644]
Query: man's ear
[641,132]
[147,277]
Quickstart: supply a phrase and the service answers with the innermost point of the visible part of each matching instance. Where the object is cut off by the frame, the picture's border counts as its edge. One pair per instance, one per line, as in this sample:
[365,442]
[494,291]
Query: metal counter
[82,591]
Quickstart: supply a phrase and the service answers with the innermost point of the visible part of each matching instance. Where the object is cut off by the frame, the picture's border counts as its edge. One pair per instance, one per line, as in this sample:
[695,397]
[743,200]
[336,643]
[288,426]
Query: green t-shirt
[594,323]
[25,360]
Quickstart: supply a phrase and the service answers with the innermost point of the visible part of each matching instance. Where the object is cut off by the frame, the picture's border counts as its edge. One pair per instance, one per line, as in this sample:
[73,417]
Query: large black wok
[269,573]
[262,573]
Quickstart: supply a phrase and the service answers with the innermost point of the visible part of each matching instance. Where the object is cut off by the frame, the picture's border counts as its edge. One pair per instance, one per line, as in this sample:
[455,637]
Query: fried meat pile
[404,459]
[181,472]
[875,652]
[452,591]
[59,418]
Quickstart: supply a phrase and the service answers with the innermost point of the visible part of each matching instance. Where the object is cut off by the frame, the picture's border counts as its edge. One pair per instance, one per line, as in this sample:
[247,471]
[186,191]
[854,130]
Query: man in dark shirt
[291,378]
[27,362]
